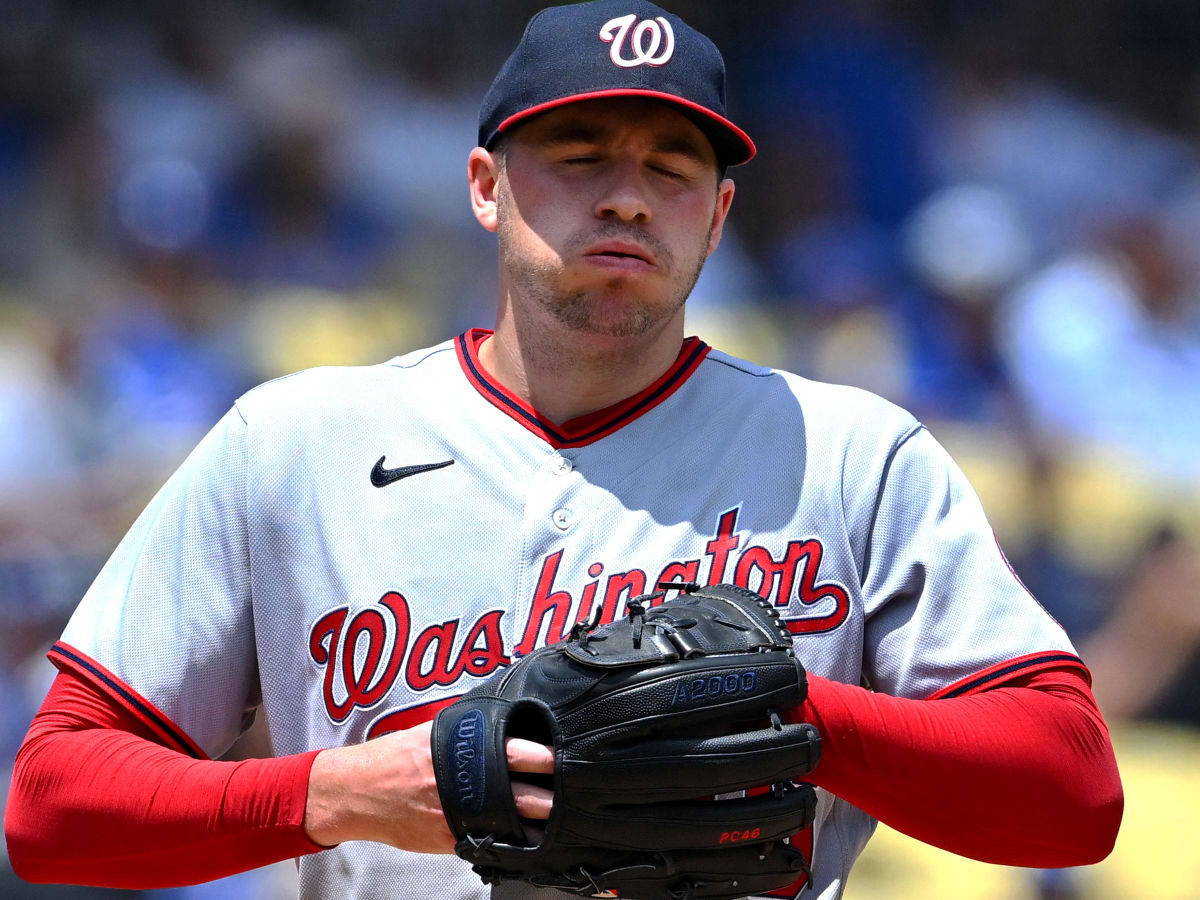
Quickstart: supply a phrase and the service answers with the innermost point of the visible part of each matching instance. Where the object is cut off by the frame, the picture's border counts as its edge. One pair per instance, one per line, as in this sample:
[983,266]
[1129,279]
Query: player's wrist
[382,790]
[326,811]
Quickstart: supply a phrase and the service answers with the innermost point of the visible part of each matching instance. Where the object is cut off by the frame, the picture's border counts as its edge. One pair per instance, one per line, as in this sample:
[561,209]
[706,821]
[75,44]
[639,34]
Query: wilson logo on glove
[715,686]
[467,762]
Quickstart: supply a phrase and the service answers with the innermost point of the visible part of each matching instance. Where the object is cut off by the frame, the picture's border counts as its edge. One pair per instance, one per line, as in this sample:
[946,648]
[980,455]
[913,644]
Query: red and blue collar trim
[581,430]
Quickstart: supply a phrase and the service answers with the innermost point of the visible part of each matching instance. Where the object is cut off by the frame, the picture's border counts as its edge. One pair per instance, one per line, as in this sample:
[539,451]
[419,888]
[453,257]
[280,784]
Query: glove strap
[471,765]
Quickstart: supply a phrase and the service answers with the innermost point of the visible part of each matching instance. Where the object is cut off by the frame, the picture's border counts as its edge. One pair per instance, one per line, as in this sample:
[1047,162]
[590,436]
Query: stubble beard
[612,310]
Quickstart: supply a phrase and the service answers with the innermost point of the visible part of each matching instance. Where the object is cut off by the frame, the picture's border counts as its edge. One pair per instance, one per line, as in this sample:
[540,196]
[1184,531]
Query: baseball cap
[614,48]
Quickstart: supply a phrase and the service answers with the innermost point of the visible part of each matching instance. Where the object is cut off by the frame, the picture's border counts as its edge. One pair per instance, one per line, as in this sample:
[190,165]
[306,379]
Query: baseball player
[350,549]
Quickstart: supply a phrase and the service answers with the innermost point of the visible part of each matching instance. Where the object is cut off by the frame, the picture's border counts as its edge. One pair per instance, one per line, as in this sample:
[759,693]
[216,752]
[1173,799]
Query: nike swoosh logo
[381,477]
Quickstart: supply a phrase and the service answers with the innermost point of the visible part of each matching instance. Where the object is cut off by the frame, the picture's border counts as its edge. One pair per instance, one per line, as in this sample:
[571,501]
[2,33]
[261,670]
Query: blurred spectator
[1067,163]
[967,244]
[155,363]
[283,217]
[1104,345]
[1156,618]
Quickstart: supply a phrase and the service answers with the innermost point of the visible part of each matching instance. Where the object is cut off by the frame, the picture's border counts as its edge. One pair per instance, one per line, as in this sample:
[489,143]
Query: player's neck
[564,378]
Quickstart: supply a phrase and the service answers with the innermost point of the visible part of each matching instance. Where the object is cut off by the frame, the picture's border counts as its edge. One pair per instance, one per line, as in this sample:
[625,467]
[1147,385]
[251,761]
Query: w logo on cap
[644,44]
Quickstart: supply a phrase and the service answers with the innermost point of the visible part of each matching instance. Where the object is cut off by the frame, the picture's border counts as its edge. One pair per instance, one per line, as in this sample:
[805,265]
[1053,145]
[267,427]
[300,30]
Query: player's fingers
[533,802]
[529,756]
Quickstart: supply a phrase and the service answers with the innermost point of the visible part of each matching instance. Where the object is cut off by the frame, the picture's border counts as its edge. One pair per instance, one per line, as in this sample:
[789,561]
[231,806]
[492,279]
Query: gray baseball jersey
[351,548]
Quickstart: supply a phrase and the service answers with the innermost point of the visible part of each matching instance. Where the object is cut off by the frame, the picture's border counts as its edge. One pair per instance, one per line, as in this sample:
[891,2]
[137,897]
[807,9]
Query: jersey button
[564,466]
[563,519]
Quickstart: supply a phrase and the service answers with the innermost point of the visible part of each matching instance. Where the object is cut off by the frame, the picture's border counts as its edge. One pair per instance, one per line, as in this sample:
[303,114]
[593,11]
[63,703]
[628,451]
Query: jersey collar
[584,429]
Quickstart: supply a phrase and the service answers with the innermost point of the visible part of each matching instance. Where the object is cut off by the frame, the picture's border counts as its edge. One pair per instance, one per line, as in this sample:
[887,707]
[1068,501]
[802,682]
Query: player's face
[606,211]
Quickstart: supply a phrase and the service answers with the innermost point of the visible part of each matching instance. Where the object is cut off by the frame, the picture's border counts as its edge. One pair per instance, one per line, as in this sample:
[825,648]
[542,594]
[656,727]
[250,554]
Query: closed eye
[669,173]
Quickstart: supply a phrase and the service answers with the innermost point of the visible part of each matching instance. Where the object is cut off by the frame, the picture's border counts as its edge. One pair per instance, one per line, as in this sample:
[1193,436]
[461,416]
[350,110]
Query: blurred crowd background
[988,213]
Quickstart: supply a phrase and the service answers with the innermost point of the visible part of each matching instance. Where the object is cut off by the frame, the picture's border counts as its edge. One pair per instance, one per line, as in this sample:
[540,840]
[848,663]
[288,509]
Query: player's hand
[385,791]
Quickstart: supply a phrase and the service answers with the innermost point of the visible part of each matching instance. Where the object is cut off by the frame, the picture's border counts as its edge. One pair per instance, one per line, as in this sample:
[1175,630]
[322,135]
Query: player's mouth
[624,256]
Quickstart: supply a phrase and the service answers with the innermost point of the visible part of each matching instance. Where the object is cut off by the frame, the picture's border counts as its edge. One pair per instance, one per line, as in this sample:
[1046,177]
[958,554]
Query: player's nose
[624,194]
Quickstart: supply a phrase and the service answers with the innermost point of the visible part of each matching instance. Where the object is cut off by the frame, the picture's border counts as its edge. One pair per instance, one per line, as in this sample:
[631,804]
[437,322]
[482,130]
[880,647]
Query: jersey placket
[556,531]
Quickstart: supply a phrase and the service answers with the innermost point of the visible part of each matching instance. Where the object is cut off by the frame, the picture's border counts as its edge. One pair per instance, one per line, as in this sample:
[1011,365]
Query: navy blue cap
[614,48]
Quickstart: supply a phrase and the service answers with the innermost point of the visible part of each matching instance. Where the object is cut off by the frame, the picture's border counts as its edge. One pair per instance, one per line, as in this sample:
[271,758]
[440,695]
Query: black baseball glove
[649,717]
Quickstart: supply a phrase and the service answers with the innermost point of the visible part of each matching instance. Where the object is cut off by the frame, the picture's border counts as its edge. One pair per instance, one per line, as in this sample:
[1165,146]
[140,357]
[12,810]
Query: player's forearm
[1014,775]
[109,808]
[93,803]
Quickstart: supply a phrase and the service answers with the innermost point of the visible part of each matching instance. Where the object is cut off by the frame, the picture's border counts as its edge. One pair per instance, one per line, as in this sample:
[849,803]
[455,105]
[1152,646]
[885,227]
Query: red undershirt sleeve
[1022,774]
[97,800]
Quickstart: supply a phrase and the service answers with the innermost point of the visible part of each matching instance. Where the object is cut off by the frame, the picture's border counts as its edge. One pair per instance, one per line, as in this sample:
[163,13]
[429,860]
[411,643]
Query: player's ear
[724,200]
[483,173]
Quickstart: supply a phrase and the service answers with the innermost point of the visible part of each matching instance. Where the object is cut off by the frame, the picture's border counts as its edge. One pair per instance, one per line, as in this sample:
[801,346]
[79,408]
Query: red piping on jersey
[581,430]
[1013,668]
[64,656]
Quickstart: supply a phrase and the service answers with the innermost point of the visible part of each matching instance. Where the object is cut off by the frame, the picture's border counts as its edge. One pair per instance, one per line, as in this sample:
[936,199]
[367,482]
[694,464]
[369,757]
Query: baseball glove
[649,717]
